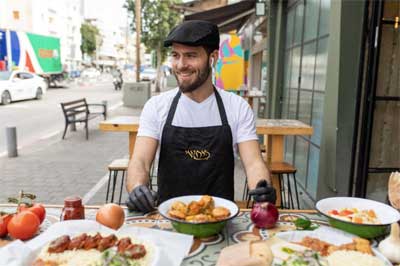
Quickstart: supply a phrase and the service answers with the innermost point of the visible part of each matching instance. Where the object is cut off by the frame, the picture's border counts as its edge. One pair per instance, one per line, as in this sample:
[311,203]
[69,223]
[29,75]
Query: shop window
[15,15]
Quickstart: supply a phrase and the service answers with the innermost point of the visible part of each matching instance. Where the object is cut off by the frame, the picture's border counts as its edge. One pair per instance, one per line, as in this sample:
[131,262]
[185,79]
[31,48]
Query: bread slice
[394,190]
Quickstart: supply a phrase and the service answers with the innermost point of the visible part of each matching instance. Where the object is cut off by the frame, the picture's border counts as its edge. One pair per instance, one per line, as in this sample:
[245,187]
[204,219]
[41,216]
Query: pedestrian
[197,128]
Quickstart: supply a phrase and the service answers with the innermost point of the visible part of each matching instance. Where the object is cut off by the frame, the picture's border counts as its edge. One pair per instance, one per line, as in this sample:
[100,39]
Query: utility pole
[138,32]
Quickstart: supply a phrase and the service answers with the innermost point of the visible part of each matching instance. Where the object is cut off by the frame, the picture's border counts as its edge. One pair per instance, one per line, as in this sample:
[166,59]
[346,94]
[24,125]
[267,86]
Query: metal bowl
[200,230]
[385,213]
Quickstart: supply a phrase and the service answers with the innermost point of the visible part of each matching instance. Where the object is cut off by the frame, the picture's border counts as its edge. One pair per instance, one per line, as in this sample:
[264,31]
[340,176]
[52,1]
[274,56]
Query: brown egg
[111,215]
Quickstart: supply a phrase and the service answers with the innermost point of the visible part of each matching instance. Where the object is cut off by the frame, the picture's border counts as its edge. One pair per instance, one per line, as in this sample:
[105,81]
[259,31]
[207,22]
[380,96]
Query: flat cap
[194,33]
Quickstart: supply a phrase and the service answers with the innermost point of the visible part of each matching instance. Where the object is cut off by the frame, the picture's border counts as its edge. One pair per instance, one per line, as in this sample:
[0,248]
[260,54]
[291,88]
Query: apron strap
[172,110]
[221,108]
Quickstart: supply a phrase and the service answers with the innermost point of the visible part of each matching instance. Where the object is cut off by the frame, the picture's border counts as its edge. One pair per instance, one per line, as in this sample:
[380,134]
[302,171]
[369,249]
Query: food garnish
[305,224]
[355,215]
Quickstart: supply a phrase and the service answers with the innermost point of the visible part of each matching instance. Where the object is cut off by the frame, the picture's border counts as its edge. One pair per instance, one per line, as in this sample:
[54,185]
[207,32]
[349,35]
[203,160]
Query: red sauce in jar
[73,209]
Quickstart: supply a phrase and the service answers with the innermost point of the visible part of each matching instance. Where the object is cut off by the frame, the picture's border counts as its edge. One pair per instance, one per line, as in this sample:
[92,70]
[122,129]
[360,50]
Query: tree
[158,18]
[90,38]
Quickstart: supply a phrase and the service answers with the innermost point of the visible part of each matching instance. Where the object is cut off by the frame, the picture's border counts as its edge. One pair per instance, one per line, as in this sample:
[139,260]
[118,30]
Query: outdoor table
[274,132]
[128,124]
[204,251]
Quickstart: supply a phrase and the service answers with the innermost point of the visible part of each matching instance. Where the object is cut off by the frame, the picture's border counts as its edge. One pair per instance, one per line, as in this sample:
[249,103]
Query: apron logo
[198,155]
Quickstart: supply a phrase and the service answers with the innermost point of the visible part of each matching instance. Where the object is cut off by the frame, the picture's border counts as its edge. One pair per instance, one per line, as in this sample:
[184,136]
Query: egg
[111,215]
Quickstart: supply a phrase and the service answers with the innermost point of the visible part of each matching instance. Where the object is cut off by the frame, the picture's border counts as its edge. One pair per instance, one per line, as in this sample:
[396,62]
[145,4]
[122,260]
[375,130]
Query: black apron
[196,161]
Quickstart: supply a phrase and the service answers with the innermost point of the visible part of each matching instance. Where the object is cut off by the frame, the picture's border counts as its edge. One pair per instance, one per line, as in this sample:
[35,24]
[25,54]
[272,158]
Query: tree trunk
[159,71]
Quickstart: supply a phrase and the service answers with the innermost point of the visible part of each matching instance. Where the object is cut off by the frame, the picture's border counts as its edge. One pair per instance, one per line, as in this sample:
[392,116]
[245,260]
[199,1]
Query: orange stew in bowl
[355,215]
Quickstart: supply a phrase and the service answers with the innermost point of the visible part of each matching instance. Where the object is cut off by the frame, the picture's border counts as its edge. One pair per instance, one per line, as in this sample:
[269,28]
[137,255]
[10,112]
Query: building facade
[60,19]
[331,66]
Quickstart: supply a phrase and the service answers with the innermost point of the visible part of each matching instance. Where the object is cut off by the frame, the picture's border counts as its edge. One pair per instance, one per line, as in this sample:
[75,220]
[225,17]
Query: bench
[78,112]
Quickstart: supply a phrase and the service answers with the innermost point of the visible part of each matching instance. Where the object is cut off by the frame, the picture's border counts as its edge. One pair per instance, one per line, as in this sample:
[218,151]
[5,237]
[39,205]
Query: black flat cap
[194,33]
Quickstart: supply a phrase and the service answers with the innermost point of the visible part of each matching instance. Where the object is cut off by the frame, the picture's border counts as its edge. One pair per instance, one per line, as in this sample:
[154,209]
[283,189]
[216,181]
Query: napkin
[171,247]
[394,190]
[251,253]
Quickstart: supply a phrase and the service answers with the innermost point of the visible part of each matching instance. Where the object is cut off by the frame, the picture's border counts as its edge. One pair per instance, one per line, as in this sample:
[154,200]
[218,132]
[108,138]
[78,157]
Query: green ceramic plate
[198,229]
[385,213]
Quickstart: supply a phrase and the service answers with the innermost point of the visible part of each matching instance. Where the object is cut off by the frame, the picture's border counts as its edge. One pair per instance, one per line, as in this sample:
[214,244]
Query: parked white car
[148,74]
[20,85]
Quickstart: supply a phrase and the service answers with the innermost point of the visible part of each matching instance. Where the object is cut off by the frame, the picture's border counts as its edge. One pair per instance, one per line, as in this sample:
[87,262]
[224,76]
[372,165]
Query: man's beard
[201,77]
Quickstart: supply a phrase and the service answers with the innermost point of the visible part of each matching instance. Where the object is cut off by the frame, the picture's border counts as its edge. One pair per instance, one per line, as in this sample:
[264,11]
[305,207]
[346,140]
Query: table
[128,124]
[274,132]
[204,251]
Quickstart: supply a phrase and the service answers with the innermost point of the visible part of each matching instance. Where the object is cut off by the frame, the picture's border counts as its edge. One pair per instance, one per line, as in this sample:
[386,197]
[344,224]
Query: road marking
[115,106]
[52,134]
[90,194]
[15,106]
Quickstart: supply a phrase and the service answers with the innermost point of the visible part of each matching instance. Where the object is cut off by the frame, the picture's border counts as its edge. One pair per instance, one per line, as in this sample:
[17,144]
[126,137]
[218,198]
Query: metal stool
[281,169]
[116,166]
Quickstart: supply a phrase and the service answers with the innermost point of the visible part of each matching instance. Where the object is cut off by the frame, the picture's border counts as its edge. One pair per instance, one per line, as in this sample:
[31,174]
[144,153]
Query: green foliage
[158,18]
[89,34]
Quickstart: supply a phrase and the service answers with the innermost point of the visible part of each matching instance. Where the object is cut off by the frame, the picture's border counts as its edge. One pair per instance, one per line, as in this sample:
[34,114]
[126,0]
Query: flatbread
[394,190]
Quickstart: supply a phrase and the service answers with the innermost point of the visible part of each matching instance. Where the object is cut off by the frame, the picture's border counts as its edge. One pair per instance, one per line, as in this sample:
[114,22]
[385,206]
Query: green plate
[385,214]
[200,230]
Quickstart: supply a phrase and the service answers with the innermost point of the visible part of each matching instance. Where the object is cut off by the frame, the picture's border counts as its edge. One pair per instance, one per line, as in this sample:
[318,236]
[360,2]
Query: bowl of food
[363,217]
[200,216]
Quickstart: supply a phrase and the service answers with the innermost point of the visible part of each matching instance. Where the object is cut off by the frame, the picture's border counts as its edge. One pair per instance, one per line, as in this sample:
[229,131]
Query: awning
[228,17]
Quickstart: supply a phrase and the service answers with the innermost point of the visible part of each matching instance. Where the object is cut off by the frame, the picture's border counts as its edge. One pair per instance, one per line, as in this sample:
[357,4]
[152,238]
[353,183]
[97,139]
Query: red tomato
[39,210]
[23,225]
[345,213]
[4,220]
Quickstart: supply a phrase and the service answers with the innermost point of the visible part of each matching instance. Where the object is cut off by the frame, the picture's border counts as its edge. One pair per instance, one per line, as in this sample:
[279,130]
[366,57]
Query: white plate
[219,202]
[327,234]
[169,248]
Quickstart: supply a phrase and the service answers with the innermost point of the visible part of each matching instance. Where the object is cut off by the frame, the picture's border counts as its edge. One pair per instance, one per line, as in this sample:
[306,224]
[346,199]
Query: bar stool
[280,169]
[116,166]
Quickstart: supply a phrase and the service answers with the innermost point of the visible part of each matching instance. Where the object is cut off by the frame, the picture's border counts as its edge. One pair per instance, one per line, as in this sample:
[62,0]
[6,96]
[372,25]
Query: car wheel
[5,98]
[39,94]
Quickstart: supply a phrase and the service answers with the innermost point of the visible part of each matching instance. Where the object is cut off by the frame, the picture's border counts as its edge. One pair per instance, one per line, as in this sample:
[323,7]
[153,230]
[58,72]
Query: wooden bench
[78,112]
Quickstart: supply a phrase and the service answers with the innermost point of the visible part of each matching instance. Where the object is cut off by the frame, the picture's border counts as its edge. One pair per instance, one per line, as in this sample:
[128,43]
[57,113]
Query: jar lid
[73,201]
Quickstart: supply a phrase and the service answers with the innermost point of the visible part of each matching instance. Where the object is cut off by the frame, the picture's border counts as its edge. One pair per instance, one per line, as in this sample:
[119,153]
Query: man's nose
[181,63]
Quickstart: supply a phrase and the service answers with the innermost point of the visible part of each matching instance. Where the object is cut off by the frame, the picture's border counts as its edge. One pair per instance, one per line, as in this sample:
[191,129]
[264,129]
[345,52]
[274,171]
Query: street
[39,120]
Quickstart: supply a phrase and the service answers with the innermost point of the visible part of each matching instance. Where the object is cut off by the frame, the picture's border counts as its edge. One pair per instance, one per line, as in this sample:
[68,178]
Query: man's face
[190,65]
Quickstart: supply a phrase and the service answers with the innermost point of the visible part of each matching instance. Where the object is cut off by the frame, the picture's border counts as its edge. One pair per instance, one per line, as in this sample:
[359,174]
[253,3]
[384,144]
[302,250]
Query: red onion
[264,215]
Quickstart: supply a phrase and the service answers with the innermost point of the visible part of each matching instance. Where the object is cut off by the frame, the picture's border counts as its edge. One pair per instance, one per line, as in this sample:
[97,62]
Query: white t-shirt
[190,113]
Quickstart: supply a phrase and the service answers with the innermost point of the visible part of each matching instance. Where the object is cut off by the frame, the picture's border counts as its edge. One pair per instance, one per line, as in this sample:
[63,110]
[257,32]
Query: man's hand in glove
[263,192]
[142,199]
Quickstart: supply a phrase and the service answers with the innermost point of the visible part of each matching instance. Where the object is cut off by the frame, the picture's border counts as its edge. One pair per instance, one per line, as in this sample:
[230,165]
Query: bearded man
[197,130]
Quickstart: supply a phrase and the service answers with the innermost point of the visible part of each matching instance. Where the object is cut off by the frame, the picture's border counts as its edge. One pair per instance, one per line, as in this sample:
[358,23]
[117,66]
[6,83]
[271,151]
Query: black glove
[141,199]
[263,192]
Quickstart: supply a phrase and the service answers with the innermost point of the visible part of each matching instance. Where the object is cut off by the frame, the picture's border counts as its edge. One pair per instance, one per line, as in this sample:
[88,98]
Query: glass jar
[73,209]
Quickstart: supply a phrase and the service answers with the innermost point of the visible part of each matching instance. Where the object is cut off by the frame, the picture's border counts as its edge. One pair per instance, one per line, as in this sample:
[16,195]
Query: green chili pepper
[304,224]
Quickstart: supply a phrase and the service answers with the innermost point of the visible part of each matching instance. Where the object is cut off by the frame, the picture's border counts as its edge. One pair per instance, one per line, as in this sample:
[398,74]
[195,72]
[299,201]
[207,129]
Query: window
[16,14]
[304,83]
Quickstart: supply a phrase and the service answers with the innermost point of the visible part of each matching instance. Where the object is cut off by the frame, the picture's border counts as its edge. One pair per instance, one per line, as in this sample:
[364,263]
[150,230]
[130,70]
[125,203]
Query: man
[198,127]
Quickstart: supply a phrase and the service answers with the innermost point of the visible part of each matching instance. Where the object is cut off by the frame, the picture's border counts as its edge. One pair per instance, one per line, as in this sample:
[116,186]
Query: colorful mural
[231,68]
